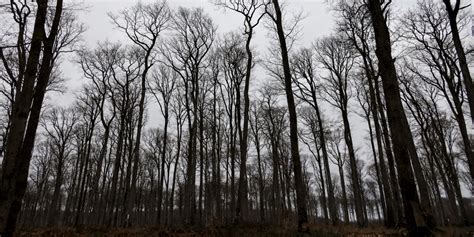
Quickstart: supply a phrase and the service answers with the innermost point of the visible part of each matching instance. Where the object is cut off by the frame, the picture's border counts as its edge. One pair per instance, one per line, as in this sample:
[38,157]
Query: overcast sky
[318,22]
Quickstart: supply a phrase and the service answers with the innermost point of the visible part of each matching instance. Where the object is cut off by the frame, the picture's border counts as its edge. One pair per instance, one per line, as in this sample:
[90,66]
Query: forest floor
[241,231]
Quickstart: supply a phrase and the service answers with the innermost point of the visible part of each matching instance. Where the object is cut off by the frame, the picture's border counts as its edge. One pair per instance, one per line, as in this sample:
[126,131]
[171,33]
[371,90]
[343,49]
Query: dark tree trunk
[295,156]
[416,221]
[452,15]
[55,207]
[386,192]
[25,116]
[357,188]
[345,205]
[322,138]
[242,199]
[398,211]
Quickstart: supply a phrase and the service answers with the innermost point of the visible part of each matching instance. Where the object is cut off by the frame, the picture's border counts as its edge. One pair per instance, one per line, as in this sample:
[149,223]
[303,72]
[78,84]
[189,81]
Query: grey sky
[318,22]
[100,27]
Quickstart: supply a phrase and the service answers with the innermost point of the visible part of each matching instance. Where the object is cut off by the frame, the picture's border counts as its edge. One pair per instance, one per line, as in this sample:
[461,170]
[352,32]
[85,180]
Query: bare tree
[436,61]
[400,130]
[339,158]
[98,66]
[162,87]
[25,114]
[311,139]
[355,24]
[190,25]
[337,57]
[59,124]
[142,24]
[277,19]
[224,150]
[252,12]
[453,14]
[232,59]
[304,67]
[274,127]
[256,127]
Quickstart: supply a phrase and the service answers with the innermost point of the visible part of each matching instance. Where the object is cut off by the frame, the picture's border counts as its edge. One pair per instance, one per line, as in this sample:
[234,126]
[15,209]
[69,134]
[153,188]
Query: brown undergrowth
[237,231]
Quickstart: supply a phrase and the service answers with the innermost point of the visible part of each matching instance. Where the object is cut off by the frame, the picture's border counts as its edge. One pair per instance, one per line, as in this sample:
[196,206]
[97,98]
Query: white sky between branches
[318,22]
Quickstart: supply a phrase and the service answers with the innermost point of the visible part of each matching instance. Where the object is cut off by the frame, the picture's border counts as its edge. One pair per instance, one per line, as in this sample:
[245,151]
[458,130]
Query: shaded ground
[242,231]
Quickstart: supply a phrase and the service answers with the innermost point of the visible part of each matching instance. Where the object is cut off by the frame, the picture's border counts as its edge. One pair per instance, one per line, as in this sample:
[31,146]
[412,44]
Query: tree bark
[25,116]
[452,15]
[242,199]
[295,156]
[398,123]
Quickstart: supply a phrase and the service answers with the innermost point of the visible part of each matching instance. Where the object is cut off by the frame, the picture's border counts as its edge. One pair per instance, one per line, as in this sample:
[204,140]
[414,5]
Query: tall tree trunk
[55,208]
[452,15]
[242,199]
[382,188]
[136,148]
[113,210]
[357,188]
[323,189]
[437,192]
[25,116]
[345,205]
[398,211]
[261,183]
[175,170]
[83,191]
[96,182]
[190,192]
[295,156]
[390,207]
[201,161]
[398,123]
[322,138]
[276,181]
[163,158]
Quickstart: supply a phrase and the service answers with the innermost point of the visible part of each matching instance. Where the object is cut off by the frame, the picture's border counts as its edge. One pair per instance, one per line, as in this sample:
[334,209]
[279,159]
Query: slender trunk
[190,192]
[398,206]
[201,161]
[112,215]
[345,205]
[276,183]
[95,184]
[54,208]
[397,120]
[136,149]
[295,156]
[25,116]
[163,158]
[260,179]
[437,192]
[452,15]
[178,154]
[323,189]
[356,189]
[379,180]
[215,150]
[322,139]
[82,192]
[242,199]
[390,207]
